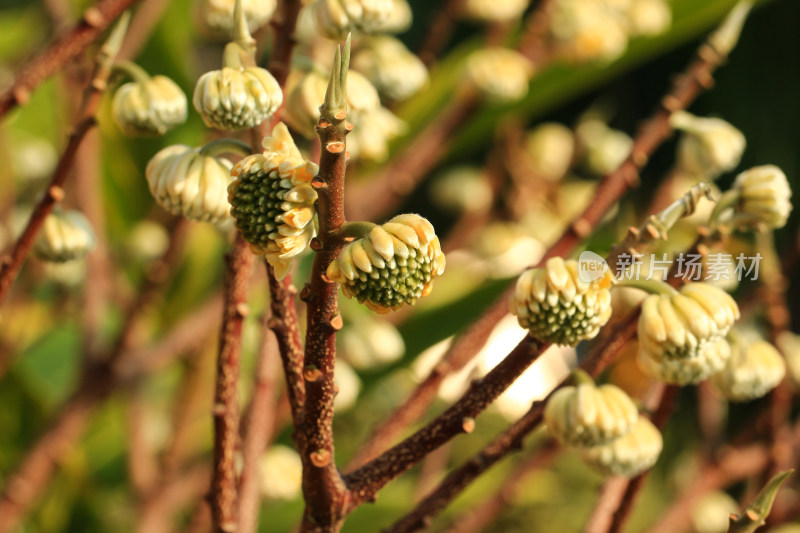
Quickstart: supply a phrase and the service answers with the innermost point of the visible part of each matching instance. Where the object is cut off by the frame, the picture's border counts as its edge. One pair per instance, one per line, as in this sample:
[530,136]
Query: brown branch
[509,440]
[258,430]
[666,406]
[143,23]
[366,481]
[223,496]
[610,189]
[62,52]
[439,31]
[93,93]
[281,58]
[323,488]
[534,43]
[487,511]
[284,325]
[385,189]
[185,487]
[99,379]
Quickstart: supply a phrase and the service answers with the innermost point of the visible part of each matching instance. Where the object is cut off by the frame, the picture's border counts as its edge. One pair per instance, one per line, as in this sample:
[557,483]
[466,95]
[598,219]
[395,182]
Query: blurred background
[43,323]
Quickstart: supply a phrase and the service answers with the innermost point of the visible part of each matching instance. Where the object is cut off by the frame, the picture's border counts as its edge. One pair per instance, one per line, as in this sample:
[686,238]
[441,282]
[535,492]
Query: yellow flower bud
[493,11]
[273,202]
[236,98]
[149,107]
[500,74]
[587,415]
[186,182]
[789,343]
[557,306]
[711,514]
[751,371]
[588,30]
[371,343]
[281,473]
[604,148]
[337,18]
[214,18]
[390,67]
[550,148]
[394,265]
[65,236]
[649,17]
[369,140]
[681,336]
[628,455]
[764,197]
[709,146]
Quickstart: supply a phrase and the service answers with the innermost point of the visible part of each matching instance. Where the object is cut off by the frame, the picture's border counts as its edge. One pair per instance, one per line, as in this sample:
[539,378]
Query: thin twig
[509,440]
[439,31]
[366,481]
[62,52]
[100,378]
[258,430]
[611,188]
[223,496]
[323,488]
[170,496]
[283,323]
[84,122]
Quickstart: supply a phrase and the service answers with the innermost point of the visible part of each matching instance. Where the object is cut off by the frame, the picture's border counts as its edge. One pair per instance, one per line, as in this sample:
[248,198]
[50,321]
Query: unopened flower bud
[147,241]
[184,181]
[281,473]
[214,18]
[751,372]
[149,106]
[709,146]
[628,455]
[236,98]
[68,274]
[604,148]
[462,189]
[493,11]
[337,18]
[550,148]
[500,74]
[371,343]
[65,236]
[763,197]
[711,514]
[390,67]
[273,202]
[649,17]
[370,138]
[394,265]
[557,306]
[681,336]
[305,98]
[587,30]
[348,386]
[587,415]
[399,18]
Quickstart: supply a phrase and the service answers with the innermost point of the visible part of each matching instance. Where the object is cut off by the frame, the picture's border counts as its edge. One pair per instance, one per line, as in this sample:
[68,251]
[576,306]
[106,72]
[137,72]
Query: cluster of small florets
[604,425]
[557,306]
[394,265]
[272,201]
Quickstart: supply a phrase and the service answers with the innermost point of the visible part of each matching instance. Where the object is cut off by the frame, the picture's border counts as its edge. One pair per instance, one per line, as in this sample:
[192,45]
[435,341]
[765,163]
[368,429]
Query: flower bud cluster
[187,182]
[557,306]
[752,370]
[493,11]
[763,197]
[394,265]
[65,236]
[394,71]
[682,335]
[236,98]
[336,18]
[708,146]
[605,426]
[499,74]
[149,106]
[272,200]
[214,18]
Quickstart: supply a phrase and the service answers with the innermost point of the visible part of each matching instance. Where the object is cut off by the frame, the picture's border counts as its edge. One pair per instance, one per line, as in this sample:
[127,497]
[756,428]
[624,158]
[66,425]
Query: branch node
[335,147]
[305,294]
[582,227]
[94,18]
[337,323]
[21,94]
[320,458]
[311,373]
[315,244]
[56,193]
[468,424]
[242,309]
